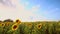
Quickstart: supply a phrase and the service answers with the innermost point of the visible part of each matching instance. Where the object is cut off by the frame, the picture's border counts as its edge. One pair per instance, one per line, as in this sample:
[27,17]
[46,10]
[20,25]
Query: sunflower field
[19,27]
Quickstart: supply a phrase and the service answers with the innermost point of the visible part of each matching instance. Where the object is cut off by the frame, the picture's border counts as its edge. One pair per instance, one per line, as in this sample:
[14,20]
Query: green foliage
[32,28]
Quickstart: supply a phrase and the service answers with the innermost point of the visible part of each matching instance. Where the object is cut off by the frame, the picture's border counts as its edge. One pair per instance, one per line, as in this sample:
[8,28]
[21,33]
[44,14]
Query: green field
[30,27]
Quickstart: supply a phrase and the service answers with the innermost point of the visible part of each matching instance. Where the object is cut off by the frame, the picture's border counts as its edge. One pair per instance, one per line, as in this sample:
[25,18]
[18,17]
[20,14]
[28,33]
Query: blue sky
[30,10]
[48,8]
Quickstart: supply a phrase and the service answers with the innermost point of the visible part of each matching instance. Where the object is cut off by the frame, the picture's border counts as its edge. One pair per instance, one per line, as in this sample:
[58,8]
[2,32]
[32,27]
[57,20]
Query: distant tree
[1,21]
[8,20]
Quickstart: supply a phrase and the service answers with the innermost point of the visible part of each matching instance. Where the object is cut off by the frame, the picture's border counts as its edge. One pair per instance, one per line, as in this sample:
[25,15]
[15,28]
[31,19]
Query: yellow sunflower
[14,27]
[58,23]
[7,23]
[0,24]
[3,24]
[18,21]
[29,25]
[39,26]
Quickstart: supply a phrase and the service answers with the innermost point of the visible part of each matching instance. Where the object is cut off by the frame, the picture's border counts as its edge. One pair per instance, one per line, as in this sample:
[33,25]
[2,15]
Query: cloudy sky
[30,10]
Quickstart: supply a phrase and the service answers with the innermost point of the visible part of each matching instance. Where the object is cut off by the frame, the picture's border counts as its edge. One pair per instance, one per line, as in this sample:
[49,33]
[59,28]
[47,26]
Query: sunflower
[14,27]
[7,23]
[0,24]
[29,25]
[39,26]
[58,23]
[18,21]
[3,24]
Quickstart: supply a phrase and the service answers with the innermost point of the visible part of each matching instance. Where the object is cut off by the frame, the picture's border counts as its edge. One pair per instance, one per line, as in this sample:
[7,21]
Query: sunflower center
[14,27]
[2,24]
[17,20]
[39,25]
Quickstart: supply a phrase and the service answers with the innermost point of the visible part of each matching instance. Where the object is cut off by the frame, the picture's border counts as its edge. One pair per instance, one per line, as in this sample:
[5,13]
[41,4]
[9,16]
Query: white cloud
[26,3]
[35,8]
[7,3]
[18,11]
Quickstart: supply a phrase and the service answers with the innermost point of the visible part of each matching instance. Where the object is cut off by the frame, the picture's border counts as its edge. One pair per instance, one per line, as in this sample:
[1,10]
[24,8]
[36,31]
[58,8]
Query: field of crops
[30,27]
